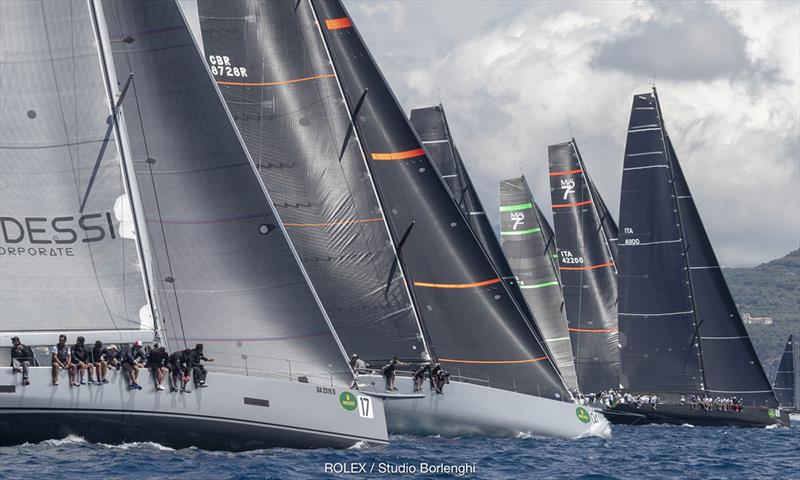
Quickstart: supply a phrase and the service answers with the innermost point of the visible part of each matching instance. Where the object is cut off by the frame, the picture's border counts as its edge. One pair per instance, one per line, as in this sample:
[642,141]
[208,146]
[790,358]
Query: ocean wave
[687,425]
[68,440]
[358,445]
[148,445]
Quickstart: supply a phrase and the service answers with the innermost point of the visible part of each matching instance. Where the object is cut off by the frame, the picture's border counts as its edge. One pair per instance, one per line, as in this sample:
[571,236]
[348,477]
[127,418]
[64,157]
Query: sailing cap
[112,347]
[138,343]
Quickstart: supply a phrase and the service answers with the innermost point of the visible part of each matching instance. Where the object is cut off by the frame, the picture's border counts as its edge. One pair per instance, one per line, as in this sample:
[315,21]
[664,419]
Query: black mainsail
[474,325]
[274,73]
[680,330]
[226,273]
[784,383]
[527,239]
[587,266]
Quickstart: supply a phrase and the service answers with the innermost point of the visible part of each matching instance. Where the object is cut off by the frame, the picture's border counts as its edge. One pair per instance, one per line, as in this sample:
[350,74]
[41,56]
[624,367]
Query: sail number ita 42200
[221,66]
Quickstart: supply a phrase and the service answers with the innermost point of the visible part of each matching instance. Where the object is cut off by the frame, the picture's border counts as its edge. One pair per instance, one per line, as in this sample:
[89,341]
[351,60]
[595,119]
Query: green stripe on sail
[521,232]
[540,285]
[515,208]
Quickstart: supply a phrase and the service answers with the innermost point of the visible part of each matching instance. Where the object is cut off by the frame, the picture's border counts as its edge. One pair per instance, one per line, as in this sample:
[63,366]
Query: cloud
[518,76]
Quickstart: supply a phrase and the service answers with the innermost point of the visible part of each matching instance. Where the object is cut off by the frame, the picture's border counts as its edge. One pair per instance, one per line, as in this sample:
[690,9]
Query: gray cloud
[681,41]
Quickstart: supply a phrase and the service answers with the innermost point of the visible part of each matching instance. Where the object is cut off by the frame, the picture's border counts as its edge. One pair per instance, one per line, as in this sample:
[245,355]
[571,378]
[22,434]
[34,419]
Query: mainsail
[69,261]
[679,327]
[474,326]
[784,383]
[274,73]
[586,263]
[527,245]
[226,273]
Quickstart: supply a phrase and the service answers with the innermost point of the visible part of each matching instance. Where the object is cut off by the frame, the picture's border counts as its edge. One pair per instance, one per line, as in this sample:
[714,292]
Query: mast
[115,107]
[376,189]
[686,266]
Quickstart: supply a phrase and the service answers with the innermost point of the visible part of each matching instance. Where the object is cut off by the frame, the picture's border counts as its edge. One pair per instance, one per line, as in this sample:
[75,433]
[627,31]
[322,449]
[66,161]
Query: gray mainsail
[587,267]
[784,383]
[68,254]
[527,248]
[272,69]
[226,274]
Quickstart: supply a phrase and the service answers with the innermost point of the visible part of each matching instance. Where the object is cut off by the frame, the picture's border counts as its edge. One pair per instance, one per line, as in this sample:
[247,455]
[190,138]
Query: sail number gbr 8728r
[221,65]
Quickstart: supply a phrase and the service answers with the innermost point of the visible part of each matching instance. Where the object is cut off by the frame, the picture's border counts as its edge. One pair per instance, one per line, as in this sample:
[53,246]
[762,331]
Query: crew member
[98,356]
[62,360]
[198,368]
[21,359]
[390,372]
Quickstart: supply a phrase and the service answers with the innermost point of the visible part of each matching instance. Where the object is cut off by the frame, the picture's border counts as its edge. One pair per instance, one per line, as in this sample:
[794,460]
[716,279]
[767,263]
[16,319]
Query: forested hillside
[770,290]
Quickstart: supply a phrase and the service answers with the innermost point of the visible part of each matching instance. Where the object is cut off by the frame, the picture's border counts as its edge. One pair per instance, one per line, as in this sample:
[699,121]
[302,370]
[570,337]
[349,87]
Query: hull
[471,410]
[234,413]
[682,414]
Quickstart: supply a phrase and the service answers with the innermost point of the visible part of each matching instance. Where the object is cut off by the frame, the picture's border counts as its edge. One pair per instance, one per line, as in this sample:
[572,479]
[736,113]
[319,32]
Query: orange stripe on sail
[417,152]
[330,224]
[570,172]
[564,205]
[269,84]
[457,285]
[337,23]
[590,330]
[494,362]
[591,267]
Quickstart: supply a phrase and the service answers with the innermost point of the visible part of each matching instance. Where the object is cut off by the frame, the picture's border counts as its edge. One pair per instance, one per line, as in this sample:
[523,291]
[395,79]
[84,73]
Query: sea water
[652,452]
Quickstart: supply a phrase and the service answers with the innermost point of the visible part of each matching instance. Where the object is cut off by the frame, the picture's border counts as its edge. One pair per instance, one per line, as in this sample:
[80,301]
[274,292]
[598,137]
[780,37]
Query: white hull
[233,413]
[466,410]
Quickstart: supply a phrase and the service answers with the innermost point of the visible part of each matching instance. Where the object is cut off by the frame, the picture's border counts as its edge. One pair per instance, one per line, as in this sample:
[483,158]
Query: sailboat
[432,127]
[681,335]
[502,380]
[585,237]
[528,242]
[144,218]
[295,124]
[784,384]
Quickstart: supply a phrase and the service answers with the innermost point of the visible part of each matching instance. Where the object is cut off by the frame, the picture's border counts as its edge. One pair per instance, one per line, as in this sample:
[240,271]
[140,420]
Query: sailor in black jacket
[22,358]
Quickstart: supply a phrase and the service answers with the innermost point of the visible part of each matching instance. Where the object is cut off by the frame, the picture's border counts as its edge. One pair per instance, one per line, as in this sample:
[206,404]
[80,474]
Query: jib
[59,230]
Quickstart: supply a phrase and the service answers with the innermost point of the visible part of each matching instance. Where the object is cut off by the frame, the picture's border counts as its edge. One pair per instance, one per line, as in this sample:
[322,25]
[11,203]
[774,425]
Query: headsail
[784,383]
[271,66]
[587,267]
[475,328]
[226,273]
[526,243]
[68,255]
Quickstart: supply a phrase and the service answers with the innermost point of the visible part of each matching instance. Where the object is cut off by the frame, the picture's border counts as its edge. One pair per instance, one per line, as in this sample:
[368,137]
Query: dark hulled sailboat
[434,131]
[585,232]
[473,324]
[680,331]
[784,384]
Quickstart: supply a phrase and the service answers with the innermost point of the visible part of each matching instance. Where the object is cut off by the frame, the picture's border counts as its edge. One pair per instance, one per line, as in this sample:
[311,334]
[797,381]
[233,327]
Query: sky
[517,76]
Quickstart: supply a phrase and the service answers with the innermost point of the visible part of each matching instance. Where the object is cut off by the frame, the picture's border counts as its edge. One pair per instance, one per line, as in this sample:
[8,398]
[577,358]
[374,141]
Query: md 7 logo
[568,185]
[518,218]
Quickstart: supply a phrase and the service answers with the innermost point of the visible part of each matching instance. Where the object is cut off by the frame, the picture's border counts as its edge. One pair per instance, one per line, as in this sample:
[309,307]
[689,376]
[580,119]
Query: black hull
[175,431]
[683,414]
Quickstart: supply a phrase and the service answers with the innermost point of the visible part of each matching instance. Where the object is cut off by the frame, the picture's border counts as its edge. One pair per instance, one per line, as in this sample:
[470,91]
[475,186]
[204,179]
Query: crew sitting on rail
[133,359]
[390,372]
[157,364]
[442,377]
[419,376]
[62,360]
[198,368]
[180,365]
[98,357]
[80,357]
[22,358]
[114,357]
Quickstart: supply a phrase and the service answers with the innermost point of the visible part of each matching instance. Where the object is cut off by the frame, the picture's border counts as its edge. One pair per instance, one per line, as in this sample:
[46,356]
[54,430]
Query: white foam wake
[128,446]
[69,439]
[358,445]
